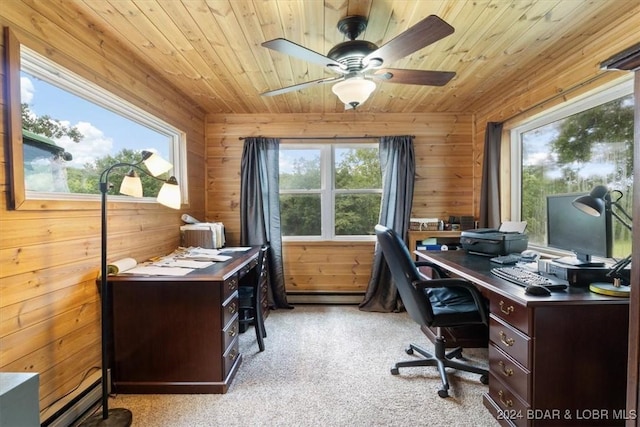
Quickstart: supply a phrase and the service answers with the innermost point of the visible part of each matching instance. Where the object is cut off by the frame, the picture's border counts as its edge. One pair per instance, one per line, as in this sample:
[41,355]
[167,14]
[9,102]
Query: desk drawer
[511,372]
[510,340]
[247,268]
[229,309]
[230,332]
[510,406]
[230,357]
[511,312]
[229,286]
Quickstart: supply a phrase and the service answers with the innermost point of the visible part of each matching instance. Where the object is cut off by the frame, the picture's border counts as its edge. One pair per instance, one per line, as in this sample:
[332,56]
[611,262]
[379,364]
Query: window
[72,130]
[573,149]
[329,191]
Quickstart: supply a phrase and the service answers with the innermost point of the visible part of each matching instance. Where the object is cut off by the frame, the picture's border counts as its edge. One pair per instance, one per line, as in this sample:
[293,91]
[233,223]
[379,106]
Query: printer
[509,238]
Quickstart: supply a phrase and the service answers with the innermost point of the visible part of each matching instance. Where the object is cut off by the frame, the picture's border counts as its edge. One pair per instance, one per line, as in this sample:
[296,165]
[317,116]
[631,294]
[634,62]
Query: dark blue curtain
[398,164]
[490,184]
[260,209]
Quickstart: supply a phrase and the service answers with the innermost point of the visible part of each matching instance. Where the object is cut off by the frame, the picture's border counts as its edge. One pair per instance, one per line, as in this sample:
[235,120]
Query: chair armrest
[478,299]
[441,273]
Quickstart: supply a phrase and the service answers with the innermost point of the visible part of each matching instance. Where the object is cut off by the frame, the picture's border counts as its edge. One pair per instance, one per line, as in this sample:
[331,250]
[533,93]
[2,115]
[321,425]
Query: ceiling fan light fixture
[354,91]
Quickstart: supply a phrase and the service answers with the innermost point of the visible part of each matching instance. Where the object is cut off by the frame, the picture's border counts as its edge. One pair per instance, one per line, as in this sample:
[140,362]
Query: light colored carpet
[326,366]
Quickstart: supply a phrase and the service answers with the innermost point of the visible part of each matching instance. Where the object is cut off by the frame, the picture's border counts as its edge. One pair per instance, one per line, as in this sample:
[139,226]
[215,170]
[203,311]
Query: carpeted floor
[326,366]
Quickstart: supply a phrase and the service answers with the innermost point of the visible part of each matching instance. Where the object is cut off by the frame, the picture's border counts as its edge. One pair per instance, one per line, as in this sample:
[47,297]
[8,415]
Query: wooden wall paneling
[327,266]
[49,259]
[444,179]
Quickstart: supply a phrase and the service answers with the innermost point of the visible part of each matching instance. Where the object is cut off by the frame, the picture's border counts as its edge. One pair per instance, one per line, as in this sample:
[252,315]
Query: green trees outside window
[329,190]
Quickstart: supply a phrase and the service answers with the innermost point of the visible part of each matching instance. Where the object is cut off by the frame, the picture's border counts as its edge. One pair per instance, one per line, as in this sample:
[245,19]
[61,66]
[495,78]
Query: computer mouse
[537,290]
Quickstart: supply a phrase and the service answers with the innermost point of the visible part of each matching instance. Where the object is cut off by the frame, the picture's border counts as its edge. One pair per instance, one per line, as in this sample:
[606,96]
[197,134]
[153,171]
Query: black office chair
[440,302]
[250,300]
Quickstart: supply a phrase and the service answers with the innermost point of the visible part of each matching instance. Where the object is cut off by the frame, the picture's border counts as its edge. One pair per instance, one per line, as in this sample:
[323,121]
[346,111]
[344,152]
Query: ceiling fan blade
[414,77]
[301,86]
[290,48]
[429,30]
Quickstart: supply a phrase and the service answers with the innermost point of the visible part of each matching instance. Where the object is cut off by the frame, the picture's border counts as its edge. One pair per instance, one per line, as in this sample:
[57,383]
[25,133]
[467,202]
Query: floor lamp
[169,195]
[595,204]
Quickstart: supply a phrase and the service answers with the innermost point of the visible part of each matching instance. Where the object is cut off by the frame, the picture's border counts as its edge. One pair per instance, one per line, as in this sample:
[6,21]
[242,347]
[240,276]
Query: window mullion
[328,207]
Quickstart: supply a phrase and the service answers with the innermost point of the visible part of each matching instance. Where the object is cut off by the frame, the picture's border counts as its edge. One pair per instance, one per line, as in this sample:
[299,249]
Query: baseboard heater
[325,297]
[77,407]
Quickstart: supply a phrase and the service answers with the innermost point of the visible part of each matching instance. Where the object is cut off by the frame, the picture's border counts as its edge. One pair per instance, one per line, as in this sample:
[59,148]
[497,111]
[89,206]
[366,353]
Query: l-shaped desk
[553,360]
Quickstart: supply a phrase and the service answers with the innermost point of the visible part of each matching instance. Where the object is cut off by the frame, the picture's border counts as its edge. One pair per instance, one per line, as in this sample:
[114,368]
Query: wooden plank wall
[49,259]
[570,75]
[444,182]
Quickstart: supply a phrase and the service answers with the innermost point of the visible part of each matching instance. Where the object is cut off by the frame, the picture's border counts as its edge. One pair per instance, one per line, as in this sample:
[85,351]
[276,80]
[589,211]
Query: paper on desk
[513,226]
[150,270]
[235,249]
[201,254]
[121,266]
[185,263]
[201,251]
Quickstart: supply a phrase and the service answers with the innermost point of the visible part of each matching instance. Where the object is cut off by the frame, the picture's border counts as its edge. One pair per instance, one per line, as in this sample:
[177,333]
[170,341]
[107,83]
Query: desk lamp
[594,204]
[169,195]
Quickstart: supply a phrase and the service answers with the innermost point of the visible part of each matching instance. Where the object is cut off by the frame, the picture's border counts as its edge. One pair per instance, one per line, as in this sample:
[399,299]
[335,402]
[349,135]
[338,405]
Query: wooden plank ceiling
[211,49]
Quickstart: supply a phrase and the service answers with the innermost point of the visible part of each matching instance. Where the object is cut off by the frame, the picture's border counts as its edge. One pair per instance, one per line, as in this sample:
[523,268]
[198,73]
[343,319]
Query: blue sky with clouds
[105,133]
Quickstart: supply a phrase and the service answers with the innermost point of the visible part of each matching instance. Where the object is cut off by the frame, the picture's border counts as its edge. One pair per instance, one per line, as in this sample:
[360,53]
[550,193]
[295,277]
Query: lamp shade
[593,203]
[156,164]
[354,91]
[169,194]
[131,184]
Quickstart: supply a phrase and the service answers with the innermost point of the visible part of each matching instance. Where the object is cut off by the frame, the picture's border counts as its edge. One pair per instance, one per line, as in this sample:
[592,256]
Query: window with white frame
[571,150]
[329,191]
[74,129]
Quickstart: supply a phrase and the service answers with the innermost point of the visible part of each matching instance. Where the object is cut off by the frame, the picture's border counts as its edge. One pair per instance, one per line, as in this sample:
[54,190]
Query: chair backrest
[261,270]
[404,273]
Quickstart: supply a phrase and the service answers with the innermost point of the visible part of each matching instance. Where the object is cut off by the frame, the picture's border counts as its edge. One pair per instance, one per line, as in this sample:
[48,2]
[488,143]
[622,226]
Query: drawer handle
[507,310]
[233,354]
[508,403]
[233,332]
[233,283]
[507,372]
[506,341]
[232,308]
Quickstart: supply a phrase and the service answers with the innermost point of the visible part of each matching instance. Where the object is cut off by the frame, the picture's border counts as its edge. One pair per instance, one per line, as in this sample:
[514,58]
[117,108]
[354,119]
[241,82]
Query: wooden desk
[555,360]
[178,334]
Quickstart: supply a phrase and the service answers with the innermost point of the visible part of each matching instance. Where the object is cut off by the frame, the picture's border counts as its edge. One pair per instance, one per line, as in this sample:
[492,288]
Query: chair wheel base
[443,393]
[484,379]
[394,371]
[409,350]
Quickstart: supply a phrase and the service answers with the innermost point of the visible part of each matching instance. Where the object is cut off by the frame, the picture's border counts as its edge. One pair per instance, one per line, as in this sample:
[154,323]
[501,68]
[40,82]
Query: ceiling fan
[359,62]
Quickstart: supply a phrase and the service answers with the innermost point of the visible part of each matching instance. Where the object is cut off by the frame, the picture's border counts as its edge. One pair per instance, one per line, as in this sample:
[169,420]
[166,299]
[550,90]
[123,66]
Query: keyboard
[506,259]
[523,277]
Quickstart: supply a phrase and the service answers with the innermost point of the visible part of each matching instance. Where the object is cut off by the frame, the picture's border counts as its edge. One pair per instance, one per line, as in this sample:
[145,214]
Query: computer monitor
[570,229]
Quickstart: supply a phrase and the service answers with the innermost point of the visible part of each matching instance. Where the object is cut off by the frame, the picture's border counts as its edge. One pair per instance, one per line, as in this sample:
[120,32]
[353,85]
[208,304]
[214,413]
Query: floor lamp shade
[169,194]
[156,164]
[131,185]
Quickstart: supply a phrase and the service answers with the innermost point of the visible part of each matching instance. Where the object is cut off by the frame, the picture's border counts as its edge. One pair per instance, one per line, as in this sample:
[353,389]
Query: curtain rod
[324,137]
